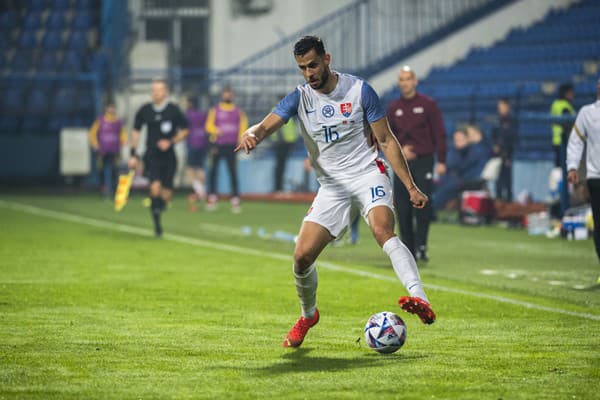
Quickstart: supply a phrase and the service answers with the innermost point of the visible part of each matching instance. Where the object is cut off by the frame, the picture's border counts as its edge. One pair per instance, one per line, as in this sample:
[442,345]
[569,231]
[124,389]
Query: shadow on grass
[299,361]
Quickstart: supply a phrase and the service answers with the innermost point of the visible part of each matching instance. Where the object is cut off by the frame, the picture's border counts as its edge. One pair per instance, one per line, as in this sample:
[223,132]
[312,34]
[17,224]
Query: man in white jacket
[587,130]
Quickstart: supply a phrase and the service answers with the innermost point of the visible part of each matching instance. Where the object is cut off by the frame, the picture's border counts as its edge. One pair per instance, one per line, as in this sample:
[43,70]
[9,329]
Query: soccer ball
[385,332]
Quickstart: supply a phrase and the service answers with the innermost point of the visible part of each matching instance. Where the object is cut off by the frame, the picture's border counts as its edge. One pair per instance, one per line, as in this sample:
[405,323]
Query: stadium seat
[84,5]
[78,40]
[56,21]
[61,5]
[37,104]
[9,20]
[52,40]
[72,62]
[65,101]
[21,61]
[33,21]
[36,5]
[28,39]
[48,62]
[56,123]
[82,21]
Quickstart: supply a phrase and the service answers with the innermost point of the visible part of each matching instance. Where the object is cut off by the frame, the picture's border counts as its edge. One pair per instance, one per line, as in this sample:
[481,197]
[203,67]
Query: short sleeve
[371,104]
[182,121]
[288,106]
[138,122]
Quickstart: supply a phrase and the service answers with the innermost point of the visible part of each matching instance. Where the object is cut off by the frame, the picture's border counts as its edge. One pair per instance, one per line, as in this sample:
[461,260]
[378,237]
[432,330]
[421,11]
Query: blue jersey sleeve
[371,104]
[288,106]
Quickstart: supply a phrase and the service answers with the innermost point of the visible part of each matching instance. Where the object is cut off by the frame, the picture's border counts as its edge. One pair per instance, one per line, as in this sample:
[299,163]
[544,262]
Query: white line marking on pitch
[278,256]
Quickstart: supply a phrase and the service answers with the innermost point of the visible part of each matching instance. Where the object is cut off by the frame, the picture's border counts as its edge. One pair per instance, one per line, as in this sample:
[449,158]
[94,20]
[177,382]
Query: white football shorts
[337,204]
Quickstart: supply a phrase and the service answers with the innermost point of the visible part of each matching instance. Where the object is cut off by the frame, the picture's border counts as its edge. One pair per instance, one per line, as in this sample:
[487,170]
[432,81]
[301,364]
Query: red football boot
[296,335]
[418,306]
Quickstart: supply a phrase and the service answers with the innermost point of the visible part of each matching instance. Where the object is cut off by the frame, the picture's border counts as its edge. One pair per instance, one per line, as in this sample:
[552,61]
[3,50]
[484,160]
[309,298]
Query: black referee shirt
[160,123]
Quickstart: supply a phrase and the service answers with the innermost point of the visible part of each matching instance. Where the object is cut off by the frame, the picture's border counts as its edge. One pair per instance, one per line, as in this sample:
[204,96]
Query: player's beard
[324,79]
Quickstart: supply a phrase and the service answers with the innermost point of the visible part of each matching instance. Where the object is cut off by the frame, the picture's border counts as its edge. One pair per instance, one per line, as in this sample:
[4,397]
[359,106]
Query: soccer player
[342,124]
[166,125]
[586,131]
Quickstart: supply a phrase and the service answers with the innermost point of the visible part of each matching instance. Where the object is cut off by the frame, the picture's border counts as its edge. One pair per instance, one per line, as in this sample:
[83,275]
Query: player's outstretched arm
[393,152]
[133,143]
[256,133]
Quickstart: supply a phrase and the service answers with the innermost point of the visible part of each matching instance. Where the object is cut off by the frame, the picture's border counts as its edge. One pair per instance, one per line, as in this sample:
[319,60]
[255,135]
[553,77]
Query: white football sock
[306,287]
[405,267]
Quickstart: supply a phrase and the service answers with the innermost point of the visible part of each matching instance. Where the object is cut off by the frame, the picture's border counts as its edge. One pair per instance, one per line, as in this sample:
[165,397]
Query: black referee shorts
[160,167]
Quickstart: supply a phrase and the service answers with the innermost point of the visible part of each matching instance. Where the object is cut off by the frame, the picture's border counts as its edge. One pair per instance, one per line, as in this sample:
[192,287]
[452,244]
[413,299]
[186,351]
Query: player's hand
[132,162]
[164,144]
[573,177]
[248,142]
[409,154]
[417,198]
[440,169]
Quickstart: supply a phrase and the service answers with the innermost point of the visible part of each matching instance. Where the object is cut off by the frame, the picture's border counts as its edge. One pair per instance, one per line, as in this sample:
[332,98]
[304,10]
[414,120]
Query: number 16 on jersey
[331,135]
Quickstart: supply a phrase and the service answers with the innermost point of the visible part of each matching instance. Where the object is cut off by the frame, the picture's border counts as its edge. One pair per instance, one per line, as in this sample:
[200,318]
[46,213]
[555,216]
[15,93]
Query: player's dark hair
[193,101]
[308,43]
[161,80]
[564,89]
[504,100]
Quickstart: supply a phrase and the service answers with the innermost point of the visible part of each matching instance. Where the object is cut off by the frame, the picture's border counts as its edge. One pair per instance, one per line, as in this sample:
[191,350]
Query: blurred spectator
[197,145]
[225,123]
[562,107]
[106,136]
[416,121]
[464,164]
[504,140]
[586,131]
[283,143]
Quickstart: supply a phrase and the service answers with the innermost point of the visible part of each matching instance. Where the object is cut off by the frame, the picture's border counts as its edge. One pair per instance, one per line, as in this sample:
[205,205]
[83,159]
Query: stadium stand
[525,67]
[44,65]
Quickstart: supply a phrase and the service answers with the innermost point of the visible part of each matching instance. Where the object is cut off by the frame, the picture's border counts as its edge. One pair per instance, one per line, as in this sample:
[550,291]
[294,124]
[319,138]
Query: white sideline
[63,216]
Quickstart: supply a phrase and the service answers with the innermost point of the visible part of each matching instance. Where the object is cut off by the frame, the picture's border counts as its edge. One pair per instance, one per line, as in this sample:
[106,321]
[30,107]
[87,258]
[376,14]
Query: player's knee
[302,260]
[382,234]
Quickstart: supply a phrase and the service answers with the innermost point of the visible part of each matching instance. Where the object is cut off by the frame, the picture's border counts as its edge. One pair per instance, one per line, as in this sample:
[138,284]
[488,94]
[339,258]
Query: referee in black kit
[166,125]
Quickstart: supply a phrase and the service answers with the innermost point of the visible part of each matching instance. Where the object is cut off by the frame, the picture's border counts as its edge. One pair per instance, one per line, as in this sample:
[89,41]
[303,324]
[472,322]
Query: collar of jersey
[226,106]
[109,117]
[161,106]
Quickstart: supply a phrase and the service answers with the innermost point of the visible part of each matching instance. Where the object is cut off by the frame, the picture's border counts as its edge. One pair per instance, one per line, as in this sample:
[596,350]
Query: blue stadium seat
[36,5]
[38,103]
[56,123]
[52,40]
[56,21]
[33,21]
[9,20]
[82,21]
[65,101]
[5,43]
[13,100]
[48,62]
[72,62]
[61,5]
[78,40]
[21,61]
[28,39]
[84,4]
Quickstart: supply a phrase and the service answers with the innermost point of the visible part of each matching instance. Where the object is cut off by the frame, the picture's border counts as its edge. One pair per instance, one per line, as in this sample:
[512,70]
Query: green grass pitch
[92,306]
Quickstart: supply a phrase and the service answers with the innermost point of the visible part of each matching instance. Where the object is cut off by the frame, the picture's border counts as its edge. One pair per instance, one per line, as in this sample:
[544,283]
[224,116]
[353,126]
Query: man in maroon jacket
[417,123]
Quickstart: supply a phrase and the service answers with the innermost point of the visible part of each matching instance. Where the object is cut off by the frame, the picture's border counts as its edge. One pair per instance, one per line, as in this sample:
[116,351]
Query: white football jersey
[335,126]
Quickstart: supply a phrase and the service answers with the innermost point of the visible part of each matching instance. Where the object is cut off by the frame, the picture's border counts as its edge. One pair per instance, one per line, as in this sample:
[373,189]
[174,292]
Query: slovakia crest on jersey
[346,109]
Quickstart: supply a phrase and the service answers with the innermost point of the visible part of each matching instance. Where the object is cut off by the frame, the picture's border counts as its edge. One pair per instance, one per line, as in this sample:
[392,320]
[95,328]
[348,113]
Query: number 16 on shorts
[377,193]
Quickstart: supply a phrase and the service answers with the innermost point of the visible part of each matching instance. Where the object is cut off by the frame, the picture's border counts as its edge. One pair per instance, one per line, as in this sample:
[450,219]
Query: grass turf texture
[90,312]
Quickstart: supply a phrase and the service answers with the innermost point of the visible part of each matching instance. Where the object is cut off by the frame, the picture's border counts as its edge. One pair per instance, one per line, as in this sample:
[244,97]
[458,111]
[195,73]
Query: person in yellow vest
[106,137]
[560,131]
[225,123]
[283,143]
[561,107]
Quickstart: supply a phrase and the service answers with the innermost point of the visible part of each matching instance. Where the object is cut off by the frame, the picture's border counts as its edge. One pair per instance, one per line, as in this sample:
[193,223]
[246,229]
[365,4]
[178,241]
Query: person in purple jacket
[197,145]
[106,136]
[225,123]
[417,123]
